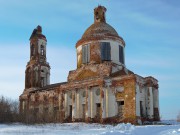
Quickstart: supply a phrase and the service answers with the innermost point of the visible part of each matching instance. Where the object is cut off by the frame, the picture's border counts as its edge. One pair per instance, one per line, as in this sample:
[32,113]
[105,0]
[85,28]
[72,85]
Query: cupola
[100,42]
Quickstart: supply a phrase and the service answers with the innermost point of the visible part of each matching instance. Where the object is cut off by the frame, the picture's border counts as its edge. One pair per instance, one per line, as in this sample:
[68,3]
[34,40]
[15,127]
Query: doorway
[141,108]
[98,110]
[120,108]
[70,111]
[83,111]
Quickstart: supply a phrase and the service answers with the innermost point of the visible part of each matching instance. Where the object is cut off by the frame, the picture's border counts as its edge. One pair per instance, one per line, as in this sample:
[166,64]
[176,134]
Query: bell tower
[37,72]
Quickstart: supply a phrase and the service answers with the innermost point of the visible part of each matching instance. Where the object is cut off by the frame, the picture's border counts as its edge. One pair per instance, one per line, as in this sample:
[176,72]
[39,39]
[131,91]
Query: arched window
[43,77]
[121,54]
[42,50]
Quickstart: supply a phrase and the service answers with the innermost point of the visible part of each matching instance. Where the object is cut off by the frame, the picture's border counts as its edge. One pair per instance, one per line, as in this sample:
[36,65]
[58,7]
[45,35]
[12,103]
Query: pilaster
[86,100]
[92,103]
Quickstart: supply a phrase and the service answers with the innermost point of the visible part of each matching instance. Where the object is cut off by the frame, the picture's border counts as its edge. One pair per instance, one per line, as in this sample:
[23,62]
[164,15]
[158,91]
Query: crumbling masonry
[101,89]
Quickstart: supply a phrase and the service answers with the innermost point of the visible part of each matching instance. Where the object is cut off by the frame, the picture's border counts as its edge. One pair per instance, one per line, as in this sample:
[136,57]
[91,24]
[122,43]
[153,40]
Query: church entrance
[98,110]
[120,108]
[70,111]
[141,108]
[83,111]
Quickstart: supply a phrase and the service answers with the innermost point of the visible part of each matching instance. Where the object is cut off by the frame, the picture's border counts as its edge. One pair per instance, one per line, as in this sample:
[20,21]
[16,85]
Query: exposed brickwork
[130,107]
[91,70]
[99,91]
[95,53]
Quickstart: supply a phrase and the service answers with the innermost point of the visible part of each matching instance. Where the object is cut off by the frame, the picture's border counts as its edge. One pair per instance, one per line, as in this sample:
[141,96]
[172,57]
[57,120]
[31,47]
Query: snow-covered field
[88,129]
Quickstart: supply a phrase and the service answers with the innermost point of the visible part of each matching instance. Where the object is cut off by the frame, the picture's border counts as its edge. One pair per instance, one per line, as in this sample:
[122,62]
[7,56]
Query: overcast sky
[151,30]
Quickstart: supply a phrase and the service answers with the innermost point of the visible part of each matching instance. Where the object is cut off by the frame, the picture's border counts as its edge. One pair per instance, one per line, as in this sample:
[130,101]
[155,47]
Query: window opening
[121,54]
[105,51]
[85,54]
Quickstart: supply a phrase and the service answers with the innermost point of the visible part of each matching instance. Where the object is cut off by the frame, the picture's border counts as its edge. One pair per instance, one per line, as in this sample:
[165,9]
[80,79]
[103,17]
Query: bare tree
[8,110]
[178,117]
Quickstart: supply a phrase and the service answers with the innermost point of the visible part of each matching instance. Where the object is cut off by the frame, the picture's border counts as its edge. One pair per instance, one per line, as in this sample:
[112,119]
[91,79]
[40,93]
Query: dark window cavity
[120,103]
[105,51]
[85,54]
[121,54]
[32,50]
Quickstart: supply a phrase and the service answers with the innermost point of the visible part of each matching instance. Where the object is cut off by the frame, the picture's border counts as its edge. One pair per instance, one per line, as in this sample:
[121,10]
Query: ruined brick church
[102,89]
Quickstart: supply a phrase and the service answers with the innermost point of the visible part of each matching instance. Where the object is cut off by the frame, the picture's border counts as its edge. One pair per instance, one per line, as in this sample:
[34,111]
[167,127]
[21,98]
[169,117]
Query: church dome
[100,30]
